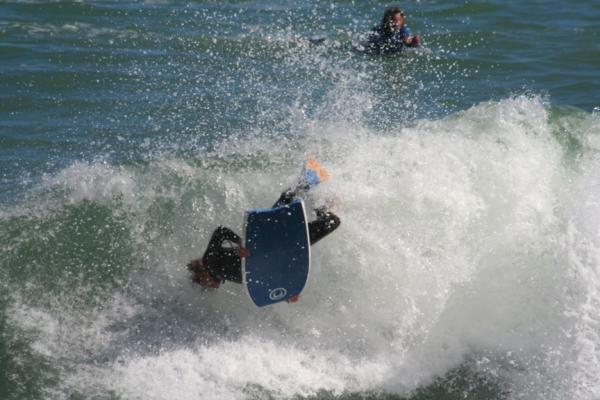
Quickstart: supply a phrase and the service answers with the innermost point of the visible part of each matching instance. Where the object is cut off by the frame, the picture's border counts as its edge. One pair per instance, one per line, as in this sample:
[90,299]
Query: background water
[467,178]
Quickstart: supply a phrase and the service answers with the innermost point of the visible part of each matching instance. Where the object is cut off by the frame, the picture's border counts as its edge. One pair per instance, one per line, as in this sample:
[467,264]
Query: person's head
[392,21]
[201,275]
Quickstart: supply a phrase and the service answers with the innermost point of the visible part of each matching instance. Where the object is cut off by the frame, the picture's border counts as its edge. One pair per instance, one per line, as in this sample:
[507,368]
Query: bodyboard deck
[279,261]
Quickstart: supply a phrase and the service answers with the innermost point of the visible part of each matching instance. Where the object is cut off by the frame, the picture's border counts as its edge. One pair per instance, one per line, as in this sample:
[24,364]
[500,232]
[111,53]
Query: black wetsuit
[224,265]
[382,42]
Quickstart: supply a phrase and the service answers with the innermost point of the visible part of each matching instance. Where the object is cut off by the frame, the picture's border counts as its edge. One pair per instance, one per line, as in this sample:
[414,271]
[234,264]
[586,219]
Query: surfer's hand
[293,299]
[242,252]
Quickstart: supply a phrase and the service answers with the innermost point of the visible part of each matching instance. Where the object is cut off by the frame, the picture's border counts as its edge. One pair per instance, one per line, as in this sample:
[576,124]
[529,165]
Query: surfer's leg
[325,223]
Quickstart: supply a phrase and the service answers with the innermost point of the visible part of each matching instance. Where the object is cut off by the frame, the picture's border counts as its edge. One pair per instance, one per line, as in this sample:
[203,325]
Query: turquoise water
[465,173]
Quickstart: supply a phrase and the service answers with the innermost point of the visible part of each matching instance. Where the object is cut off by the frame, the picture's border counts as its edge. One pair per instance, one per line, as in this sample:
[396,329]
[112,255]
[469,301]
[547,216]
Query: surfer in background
[220,264]
[392,35]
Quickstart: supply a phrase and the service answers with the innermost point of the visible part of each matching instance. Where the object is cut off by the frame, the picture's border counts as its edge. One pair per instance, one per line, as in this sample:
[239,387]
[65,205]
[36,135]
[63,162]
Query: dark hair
[387,22]
[195,266]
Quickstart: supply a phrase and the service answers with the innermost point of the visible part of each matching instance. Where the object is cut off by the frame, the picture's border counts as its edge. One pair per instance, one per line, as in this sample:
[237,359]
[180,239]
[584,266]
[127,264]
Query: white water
[469,239]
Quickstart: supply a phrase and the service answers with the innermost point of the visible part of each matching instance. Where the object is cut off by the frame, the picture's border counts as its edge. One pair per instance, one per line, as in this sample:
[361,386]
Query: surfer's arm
[223,234]
[325,223]
[285,198]
[228,235]
[409,39]
[414,41]
[220,235]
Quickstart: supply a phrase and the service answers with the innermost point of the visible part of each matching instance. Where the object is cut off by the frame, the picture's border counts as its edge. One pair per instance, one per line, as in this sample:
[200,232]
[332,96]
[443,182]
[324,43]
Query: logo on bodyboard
[277,294]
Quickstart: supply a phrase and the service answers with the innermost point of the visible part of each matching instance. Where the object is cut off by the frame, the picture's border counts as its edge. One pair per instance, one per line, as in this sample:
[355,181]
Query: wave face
[465,175]
[469,248]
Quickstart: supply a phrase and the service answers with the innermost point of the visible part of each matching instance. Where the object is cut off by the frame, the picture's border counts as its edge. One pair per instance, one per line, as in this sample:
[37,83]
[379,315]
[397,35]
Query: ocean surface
[466,175]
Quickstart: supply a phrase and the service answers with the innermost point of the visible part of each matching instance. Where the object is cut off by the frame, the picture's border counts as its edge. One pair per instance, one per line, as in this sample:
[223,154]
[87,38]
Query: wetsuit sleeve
[228,235]
[285,198]
[222,263]
[325,223]
[220,235]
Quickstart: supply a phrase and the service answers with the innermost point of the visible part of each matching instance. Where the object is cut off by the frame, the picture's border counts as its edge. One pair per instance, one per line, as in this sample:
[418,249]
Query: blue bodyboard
[279,261]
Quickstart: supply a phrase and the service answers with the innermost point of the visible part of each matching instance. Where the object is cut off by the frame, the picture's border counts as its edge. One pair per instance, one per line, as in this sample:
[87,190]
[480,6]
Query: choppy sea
[466,176]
